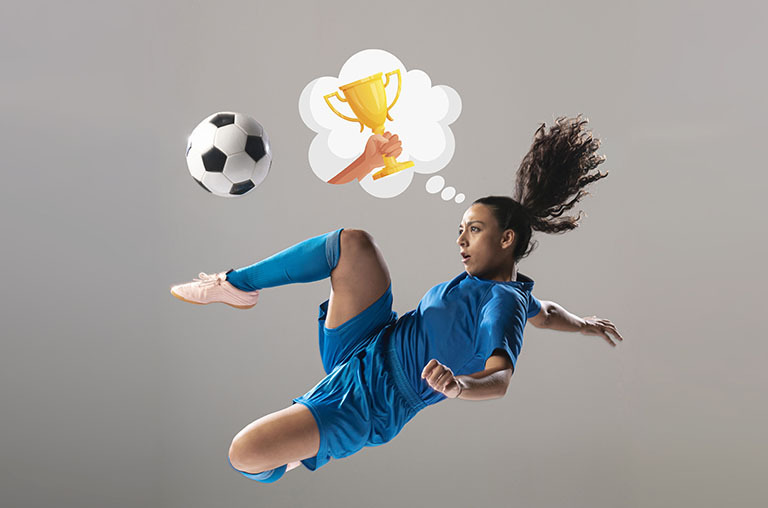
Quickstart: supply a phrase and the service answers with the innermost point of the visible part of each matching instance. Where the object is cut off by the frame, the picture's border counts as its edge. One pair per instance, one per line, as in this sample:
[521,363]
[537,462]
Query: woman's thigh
[360,277]
[278,438]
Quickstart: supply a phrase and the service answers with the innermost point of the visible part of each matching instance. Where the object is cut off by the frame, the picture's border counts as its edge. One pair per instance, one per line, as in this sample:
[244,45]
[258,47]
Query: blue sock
[307,261]
[269,476]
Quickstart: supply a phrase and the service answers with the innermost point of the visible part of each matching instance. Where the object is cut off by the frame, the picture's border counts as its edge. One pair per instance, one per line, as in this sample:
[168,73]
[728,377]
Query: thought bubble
[435,185]
[420,117]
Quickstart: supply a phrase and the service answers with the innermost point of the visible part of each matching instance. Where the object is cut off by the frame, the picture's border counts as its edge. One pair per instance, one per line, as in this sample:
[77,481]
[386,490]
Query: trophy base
[392,169]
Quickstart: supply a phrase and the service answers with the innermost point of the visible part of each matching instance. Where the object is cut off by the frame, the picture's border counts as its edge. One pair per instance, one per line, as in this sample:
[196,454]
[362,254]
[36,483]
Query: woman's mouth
[464,258]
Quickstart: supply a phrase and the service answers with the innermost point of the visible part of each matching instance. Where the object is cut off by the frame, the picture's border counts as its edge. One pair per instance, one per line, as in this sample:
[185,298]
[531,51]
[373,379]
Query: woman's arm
[371,158]
[484,385]
[555,317]
[490,383]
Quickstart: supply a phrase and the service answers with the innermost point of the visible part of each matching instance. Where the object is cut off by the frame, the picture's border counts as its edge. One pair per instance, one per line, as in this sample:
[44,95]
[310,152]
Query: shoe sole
[200,303]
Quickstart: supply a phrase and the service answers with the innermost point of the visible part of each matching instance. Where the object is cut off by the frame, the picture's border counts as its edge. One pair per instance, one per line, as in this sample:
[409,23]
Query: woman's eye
[474,228]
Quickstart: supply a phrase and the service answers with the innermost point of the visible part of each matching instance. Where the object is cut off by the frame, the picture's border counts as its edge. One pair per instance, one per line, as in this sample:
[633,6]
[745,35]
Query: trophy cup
[368,99]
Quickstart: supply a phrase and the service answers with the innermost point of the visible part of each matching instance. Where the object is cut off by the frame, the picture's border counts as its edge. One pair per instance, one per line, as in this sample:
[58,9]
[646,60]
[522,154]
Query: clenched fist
[377,147]
[441,378]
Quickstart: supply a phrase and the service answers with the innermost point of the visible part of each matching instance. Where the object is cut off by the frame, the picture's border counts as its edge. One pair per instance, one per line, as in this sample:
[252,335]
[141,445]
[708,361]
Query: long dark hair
[550,181]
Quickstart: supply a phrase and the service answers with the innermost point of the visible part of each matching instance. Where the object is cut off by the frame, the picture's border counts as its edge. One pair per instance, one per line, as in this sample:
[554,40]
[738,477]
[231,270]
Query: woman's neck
[506,274]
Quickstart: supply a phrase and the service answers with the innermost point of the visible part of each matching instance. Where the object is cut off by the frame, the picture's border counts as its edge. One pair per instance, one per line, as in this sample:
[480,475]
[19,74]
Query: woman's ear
[507,238]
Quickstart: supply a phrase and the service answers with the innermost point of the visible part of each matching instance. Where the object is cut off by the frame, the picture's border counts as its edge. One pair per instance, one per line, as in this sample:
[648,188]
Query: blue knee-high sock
[269,476]
[307,261]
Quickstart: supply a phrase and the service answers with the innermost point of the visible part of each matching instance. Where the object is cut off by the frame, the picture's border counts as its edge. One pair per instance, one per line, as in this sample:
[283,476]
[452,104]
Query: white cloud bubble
[434,184]
[421,118]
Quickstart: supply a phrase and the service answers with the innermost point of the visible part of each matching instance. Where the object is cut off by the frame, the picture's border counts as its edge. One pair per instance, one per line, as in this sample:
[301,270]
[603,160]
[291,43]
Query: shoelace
[209,280]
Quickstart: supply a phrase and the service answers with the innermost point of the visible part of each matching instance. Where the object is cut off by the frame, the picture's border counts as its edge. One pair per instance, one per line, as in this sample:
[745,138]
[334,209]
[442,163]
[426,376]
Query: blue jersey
[374,361]
[461,323]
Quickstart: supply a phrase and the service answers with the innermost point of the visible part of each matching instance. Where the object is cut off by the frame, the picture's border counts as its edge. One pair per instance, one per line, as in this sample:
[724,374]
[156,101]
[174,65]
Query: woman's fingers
[392,144]
[443,379]
[616,332]
[599,326]
[387,144]
[428,368]
[432,371]
[434,379]
[612,328]
[438,376]
[380,140]
[394,153]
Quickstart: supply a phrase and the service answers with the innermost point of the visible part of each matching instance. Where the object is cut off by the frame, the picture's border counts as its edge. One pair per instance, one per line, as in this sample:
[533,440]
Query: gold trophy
[368,99]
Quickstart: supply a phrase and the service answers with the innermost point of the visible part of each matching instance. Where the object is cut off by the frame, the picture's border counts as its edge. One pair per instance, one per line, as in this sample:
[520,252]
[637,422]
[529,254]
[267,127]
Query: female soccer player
[463,339]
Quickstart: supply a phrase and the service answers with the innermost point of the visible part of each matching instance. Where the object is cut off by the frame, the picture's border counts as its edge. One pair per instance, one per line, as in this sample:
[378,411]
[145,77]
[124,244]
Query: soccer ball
[228,154]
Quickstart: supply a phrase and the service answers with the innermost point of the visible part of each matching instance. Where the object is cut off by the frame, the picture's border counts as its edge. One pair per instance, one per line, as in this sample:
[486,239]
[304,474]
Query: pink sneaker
[214,288]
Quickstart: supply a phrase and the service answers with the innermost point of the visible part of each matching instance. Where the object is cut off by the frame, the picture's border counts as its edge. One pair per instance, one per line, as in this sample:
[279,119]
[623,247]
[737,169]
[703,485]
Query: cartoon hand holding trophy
[367,98]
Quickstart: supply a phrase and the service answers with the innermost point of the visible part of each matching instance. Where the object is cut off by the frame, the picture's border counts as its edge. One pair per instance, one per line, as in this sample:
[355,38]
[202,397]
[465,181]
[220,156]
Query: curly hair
[550,181]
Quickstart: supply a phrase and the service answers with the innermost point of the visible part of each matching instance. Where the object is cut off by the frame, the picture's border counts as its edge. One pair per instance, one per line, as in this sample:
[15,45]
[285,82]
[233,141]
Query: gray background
[114,393]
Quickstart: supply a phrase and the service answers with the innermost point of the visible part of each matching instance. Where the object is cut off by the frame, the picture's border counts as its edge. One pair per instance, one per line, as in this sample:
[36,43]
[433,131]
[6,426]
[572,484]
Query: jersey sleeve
[501,325]
[534,306]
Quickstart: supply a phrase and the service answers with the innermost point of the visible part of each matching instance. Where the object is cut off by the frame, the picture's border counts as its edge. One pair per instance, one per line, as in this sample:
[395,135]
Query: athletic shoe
[214,289]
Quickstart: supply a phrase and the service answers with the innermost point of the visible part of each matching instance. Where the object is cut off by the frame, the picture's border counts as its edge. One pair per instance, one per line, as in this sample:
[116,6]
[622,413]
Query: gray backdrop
[114,393]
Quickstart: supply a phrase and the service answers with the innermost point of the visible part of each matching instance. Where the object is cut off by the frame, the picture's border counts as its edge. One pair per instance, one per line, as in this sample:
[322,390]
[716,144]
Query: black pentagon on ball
[201,185]
[222,119]
[214,160]
[242,187]
[254,146]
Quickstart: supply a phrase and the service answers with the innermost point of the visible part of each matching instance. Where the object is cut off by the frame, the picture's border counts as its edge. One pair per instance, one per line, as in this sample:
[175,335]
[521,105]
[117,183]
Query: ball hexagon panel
[249,125]
[239,167]
[261,170]
[217,183]
[203,186]
[230,139]
[195,164]
[202,137]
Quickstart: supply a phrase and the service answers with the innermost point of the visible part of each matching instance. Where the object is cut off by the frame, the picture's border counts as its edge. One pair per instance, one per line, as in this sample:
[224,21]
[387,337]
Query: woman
[463,339]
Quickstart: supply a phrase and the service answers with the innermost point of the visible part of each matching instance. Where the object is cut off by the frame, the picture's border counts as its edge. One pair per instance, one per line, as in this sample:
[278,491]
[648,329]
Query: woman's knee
[274,440]
[251,450]
[244,454]
[356,240]
[360,261]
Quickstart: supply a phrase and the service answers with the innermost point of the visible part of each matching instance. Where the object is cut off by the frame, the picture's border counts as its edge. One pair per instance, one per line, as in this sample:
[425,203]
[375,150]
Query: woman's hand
[594,325]
[379,145]
[441,378]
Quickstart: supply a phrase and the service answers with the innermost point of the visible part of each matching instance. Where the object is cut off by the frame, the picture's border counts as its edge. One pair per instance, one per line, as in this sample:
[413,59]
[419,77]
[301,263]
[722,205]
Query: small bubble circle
[448,193]
[459,198]
[435,183]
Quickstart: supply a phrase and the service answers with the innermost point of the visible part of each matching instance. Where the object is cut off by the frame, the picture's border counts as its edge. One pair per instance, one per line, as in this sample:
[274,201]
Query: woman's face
[486,250]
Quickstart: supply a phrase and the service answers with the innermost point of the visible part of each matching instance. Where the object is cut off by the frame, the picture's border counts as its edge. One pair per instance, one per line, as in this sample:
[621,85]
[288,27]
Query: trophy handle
[399,85]
[328,101]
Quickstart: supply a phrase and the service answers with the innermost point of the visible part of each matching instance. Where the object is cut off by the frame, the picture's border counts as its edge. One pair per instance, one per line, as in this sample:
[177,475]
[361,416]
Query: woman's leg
[307,261]
[359,274]
[275,440]
[359,279]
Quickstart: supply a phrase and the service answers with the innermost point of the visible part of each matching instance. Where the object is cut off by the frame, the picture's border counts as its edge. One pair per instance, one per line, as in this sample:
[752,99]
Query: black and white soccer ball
[228,154]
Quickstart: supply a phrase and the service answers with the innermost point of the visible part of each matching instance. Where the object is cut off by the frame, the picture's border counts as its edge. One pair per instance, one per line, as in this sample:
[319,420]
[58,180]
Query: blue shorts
[365,399]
